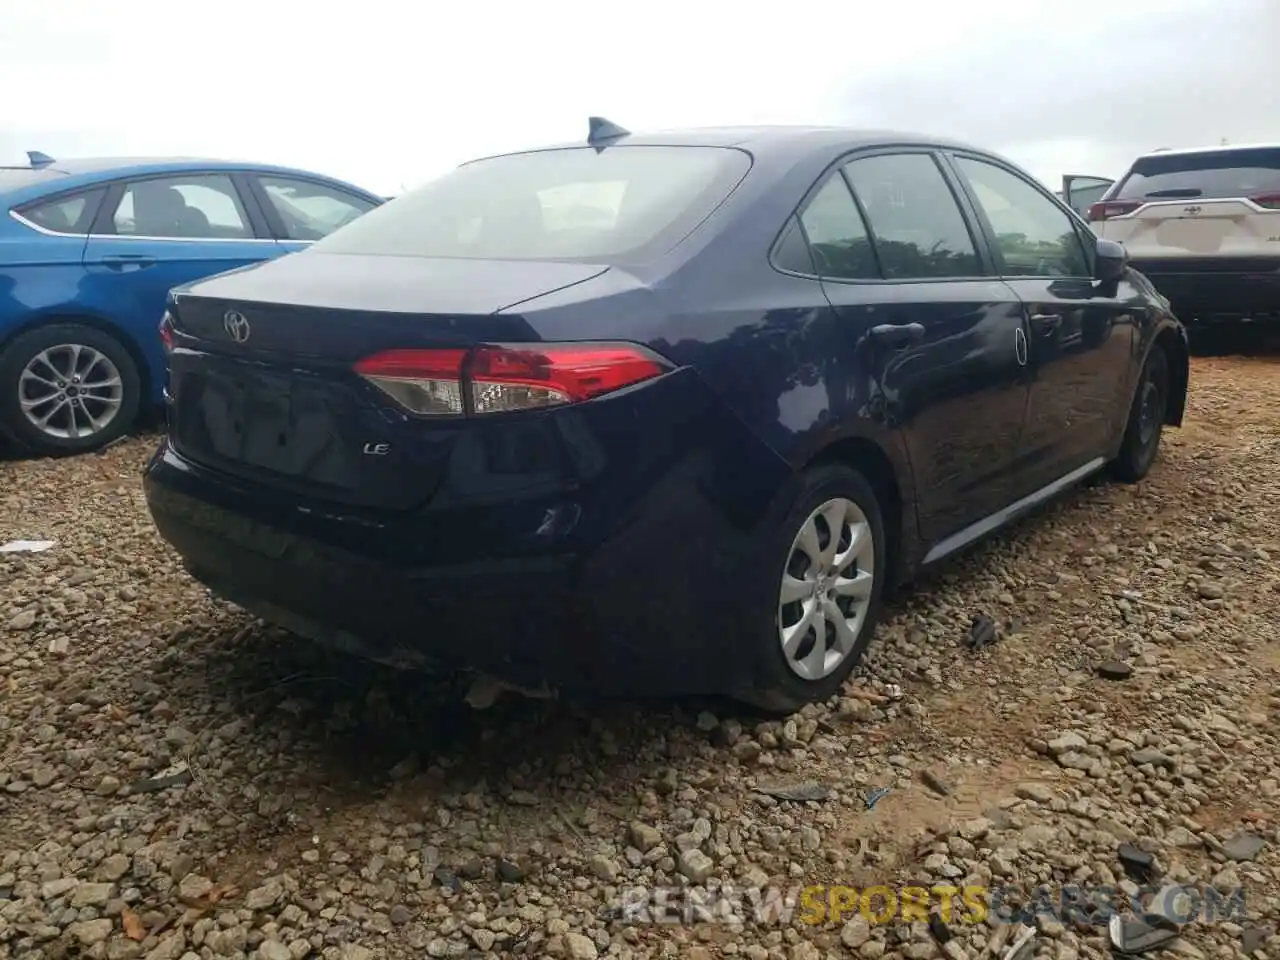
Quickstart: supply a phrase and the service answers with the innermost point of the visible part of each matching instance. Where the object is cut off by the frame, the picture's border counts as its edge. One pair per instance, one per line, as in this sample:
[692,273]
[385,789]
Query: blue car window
[192,207]
[70,213]
[310,211]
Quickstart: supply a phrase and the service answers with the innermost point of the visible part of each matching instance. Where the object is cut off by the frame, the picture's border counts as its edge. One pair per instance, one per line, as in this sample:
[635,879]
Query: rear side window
[70,213]
[1215,174]
[837,236]
[919,230]
[570,204]
[792,253]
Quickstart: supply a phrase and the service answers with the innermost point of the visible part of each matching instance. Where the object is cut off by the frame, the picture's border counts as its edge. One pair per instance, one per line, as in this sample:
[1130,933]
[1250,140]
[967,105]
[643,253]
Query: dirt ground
[325,807]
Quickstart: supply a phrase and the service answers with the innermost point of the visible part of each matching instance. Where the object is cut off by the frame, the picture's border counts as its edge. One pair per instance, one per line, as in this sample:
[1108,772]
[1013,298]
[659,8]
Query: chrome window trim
[45,230]
[132,236]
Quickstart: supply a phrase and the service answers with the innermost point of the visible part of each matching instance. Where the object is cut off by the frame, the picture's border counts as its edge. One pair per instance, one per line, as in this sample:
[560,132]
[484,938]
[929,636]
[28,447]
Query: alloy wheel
[70,391]
[826,589]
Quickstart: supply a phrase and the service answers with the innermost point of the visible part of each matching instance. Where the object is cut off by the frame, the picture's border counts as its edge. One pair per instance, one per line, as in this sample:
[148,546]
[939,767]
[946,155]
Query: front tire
[816,591]
[1146,420]
[67,388]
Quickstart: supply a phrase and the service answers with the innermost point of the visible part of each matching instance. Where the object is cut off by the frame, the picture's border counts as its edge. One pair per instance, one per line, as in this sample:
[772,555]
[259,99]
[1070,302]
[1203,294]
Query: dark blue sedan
[653,414]
[89,250]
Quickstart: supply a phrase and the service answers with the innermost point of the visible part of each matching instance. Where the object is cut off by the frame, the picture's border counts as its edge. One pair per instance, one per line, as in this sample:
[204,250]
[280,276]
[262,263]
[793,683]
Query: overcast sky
[388,93]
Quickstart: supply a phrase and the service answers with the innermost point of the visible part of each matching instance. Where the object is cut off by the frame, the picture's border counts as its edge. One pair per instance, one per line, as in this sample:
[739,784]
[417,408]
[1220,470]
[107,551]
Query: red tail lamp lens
[1106,209]
[502,379]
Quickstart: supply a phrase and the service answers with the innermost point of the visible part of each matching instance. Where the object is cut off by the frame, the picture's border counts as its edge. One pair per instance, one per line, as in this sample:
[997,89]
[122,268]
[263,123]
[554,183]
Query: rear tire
[67,388]
[814,604]
[1146,420]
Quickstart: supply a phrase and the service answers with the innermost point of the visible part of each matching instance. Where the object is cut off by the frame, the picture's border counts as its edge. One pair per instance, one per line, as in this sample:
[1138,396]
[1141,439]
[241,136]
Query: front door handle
[1046,322]
[896,335]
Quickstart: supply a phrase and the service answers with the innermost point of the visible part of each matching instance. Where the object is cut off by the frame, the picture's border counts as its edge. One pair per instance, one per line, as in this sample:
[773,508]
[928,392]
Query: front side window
[312,211]
[920,233]
[195,207]
[568,204]
[71,213]
[1034,236]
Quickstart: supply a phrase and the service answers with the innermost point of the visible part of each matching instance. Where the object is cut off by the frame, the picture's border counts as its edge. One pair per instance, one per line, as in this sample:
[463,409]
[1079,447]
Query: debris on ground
[1023,945]
[982,632]
[1252,938]
[156,784]
[1131,936]
[27,546]
[935,783]
[1243,847]
[484,691]
[1115,670]
[810,790]
[938,927]
[1138,864]
[875,796]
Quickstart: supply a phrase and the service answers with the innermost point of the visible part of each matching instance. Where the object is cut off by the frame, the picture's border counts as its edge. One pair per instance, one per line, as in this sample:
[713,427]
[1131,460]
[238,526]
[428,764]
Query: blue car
[88,252]
[654,414]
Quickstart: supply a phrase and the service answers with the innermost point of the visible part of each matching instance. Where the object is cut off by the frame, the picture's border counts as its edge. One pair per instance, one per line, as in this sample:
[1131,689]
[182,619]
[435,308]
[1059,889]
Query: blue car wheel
[67,388]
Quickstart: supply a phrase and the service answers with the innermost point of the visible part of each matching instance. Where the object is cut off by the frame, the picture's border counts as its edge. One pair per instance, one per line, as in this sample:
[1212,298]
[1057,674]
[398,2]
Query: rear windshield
[1211,175]
[570,204]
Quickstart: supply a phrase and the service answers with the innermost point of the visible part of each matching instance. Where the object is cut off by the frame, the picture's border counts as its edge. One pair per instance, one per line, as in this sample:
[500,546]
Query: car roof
[773,140]
[73,173]
[1229,148]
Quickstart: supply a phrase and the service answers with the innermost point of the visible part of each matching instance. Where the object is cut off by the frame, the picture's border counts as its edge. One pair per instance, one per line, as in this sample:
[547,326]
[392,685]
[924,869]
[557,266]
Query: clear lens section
[166,332]
[503,397]
[427,397]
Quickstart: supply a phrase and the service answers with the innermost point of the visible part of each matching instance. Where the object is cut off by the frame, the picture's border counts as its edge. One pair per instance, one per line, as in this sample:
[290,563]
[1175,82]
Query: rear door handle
[128,259]
[896,335]
[1046,322]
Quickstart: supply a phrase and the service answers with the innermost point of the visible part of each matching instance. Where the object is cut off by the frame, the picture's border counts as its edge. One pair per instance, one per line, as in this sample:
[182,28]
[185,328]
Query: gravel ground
[325,808]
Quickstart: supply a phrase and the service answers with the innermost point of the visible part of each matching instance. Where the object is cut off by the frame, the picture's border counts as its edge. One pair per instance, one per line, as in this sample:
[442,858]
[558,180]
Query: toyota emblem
[236,325]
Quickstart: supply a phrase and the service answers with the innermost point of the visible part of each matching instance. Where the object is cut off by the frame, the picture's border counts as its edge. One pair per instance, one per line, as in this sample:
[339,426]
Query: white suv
[1203,225]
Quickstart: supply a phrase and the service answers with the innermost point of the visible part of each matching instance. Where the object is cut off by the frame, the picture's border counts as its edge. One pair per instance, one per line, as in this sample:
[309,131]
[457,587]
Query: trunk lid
[262,382]
[1196,227]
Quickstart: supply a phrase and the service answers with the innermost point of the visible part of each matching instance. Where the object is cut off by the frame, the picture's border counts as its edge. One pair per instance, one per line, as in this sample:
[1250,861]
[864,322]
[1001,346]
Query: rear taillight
[1268,201]
[1106,209]
[166,332]
[428,382]
[503,379]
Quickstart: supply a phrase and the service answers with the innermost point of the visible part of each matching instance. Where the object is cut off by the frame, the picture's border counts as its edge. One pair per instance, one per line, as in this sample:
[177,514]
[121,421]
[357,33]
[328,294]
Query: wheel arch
[891,483]
[1174,344]
[97,322]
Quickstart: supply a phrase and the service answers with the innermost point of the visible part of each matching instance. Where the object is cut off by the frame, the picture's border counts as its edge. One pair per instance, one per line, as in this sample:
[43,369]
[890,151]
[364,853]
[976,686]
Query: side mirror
[1110,262]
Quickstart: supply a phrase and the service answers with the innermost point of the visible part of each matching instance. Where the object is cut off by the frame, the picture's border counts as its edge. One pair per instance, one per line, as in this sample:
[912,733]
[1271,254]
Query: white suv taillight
[1106,209]
[503,379]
